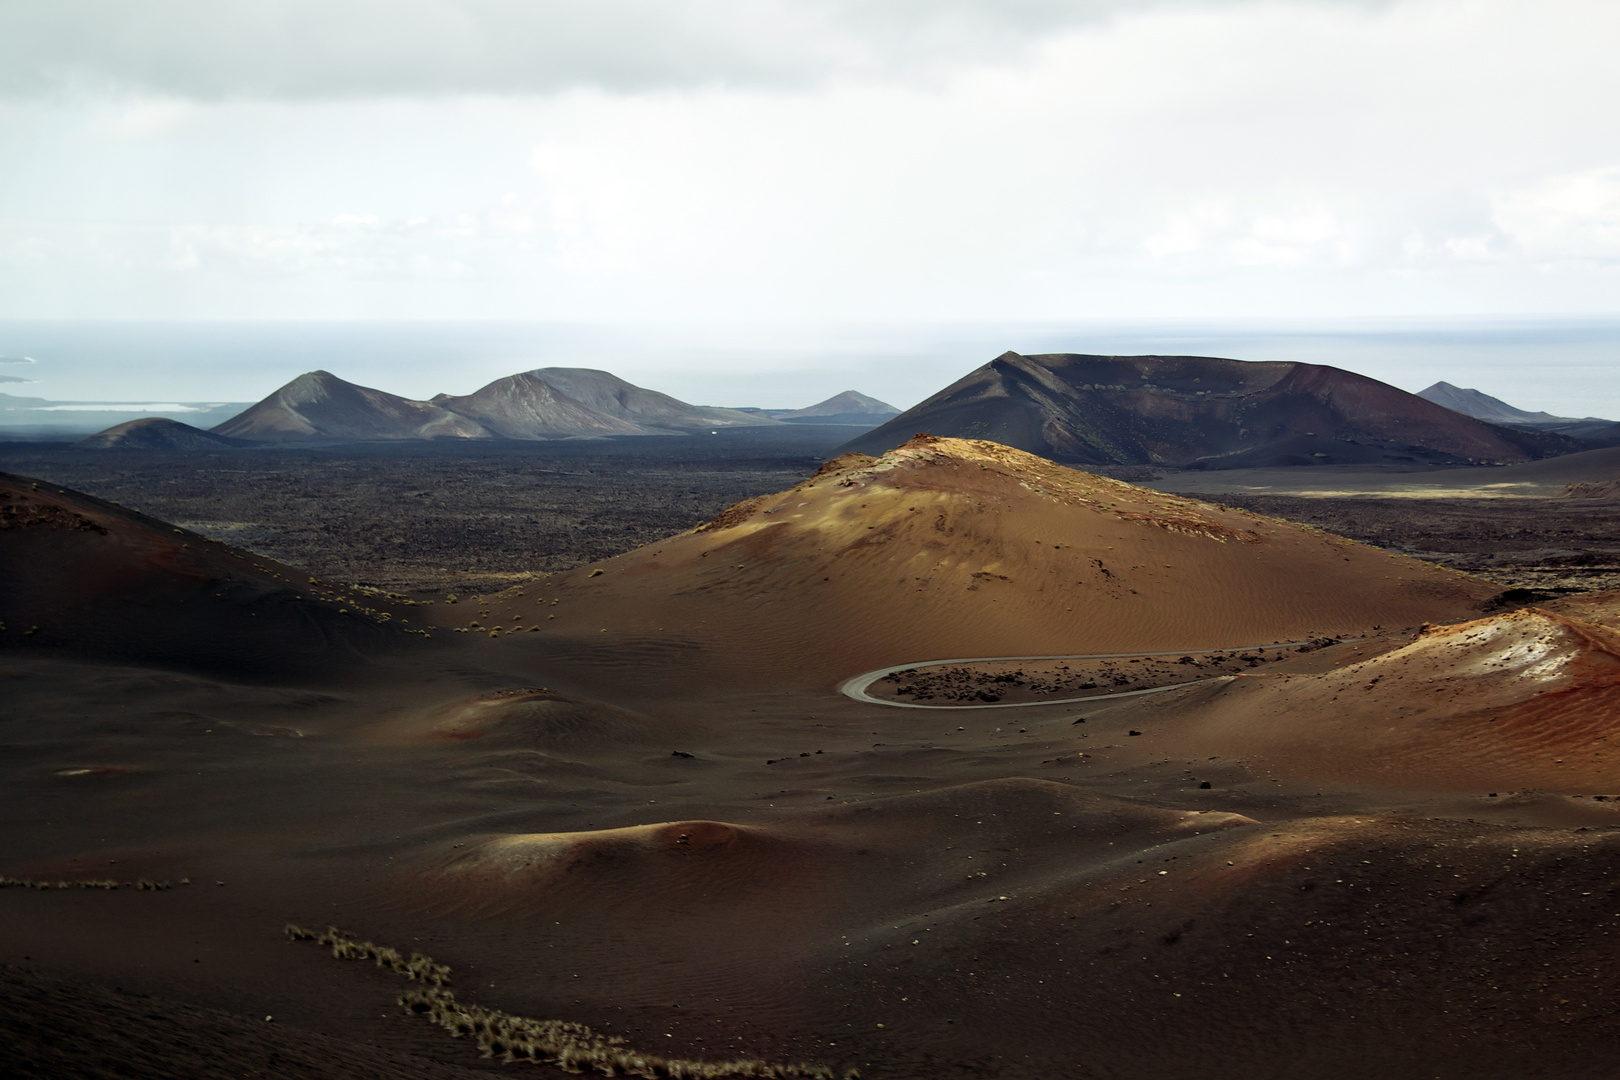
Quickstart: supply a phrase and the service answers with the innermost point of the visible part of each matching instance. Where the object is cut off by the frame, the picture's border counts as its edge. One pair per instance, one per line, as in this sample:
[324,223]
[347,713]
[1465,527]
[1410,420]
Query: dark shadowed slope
[318,405]
[1202,412]
[90,578]
[157,433]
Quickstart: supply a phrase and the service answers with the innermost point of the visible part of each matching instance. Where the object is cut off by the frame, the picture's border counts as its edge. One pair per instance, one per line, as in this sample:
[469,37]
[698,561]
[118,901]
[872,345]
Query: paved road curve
[857,687]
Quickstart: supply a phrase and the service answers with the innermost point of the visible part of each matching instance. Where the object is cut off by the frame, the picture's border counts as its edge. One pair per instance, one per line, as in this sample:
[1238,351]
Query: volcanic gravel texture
[1545,545]
[1043,680]
[656,816]
[429,518]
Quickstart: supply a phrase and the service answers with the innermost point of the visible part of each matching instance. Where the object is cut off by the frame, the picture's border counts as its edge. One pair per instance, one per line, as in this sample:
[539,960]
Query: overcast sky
[666,160]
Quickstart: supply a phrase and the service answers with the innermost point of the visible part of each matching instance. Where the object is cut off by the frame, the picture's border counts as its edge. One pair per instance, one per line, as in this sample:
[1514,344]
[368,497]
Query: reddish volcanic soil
[656,815]
[949,548]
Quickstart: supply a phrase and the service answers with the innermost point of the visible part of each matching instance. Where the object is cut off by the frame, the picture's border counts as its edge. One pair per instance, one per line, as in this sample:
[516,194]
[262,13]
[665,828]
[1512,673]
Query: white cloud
[317,48]
[1574,216]
[1176,158]
[1188,231]
[150,119]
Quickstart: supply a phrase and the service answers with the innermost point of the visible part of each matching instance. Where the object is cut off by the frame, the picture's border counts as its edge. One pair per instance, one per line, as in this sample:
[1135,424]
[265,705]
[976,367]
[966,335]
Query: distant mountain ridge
[524,406]
[319,405]
[1482,406]
[571,403]
[547,403]
[659,413]
[1202,412]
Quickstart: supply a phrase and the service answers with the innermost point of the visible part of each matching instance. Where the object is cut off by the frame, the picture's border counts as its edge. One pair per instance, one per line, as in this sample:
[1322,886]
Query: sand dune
[1022,928]
[1214,956]
[950,547]
[532,716]
[724,910]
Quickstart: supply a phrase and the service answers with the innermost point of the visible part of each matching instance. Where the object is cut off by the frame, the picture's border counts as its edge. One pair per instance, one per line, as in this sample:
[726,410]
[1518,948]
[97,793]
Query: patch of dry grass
[569,1046]
[142,884]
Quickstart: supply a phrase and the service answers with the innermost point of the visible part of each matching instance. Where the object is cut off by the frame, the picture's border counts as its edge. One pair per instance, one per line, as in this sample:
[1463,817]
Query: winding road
[856,688]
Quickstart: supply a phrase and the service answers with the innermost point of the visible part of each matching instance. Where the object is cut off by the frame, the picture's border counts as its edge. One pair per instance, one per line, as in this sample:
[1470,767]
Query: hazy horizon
[1556,365]
[766,203]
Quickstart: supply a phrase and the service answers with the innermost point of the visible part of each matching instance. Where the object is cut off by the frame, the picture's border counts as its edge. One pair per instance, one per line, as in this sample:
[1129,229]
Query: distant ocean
[1569,367]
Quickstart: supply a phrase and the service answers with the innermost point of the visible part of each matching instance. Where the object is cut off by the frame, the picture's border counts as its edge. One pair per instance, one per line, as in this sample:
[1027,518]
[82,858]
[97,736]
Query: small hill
[318,406]
[1202,412]
[849,407]
[957,548]
[86,577]
[156,433]
[1529,699]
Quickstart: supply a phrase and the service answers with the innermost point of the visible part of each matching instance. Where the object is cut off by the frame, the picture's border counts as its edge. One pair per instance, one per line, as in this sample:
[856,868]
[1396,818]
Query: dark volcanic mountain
[157,433]
[1202,412]
[1496,411]
[525,406]
[659,413]
[319,405]
[1482,406]
[850,407]
[564,403]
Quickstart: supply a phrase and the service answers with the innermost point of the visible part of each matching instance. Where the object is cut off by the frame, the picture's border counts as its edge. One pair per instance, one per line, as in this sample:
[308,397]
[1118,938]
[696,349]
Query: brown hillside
[954,548]
[1530,699]
[87,577]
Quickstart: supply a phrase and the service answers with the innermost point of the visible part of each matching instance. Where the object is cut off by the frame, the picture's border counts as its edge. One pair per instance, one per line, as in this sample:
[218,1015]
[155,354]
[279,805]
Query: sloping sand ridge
[949,547]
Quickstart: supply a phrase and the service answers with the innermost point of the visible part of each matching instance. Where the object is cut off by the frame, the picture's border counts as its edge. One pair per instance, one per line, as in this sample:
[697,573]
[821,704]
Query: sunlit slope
[1529,699]
[957,548]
